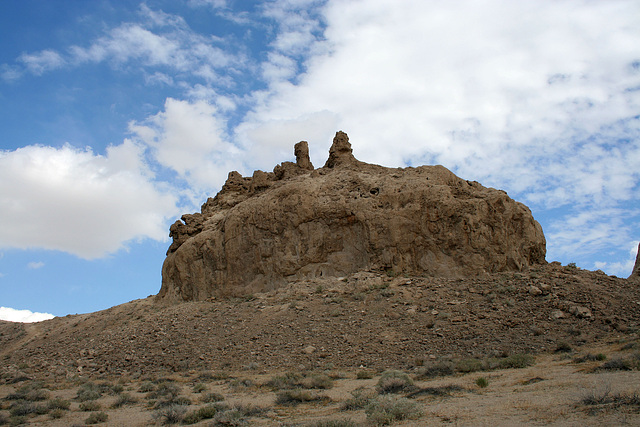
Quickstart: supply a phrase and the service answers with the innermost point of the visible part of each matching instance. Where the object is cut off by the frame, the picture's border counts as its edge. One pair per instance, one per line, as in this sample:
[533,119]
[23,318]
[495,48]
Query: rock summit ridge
[298,222]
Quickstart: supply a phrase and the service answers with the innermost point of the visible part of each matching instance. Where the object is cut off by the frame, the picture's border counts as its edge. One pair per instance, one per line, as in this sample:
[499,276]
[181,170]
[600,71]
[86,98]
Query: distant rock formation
[635,274]
[298,222]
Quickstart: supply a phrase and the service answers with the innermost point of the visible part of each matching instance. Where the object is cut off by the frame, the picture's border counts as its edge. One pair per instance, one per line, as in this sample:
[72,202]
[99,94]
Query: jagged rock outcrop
[298,222]
[635,274]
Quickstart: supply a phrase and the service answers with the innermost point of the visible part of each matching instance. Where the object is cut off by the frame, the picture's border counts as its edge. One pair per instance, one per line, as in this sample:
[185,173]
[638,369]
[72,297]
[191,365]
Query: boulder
[298,223]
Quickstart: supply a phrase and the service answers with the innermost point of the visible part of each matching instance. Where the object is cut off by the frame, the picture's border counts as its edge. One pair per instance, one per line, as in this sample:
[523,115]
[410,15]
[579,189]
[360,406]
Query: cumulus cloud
[539,99]
[79,202]
[23,316]
[190,139]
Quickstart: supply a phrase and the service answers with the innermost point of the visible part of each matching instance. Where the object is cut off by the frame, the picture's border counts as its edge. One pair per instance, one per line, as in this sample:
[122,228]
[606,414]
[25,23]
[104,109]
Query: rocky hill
[336,272]
[297,223]
[365,319]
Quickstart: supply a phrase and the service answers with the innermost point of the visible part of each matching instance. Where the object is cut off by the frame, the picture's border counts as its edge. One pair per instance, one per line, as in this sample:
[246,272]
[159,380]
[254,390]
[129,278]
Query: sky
[117,117]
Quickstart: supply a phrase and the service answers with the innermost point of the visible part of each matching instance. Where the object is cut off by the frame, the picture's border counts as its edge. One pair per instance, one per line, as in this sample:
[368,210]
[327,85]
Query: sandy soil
[548,393]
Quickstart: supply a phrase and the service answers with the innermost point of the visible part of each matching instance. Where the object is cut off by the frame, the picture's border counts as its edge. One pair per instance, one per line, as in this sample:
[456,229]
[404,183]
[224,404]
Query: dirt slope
[367,319]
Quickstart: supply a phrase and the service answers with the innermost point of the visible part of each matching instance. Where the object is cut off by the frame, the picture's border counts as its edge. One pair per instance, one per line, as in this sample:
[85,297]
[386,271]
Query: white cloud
[622,268]
[540,99]
[161,40]
[190,138]
[216,4]
[78,202]
[23,316]
[35,265]
[171,45]
[39,62]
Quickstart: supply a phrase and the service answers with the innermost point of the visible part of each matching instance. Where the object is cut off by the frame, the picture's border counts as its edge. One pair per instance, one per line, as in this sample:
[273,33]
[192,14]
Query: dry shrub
[384,410]
[394,381]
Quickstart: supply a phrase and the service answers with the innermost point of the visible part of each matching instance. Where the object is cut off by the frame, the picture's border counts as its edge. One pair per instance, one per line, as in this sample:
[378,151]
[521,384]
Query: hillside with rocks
[342,273]
[298,223]
[365,319]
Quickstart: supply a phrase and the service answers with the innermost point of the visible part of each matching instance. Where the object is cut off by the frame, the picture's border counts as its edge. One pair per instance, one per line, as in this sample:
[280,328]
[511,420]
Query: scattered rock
[534,290]
[557,314]
[581,312]
[309,349]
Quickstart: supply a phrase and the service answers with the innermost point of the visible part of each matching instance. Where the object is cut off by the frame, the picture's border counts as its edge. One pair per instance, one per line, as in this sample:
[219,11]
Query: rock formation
[298,222]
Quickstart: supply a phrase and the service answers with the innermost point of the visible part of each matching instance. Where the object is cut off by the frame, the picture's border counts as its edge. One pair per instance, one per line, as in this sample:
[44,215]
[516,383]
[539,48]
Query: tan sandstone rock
[348,216]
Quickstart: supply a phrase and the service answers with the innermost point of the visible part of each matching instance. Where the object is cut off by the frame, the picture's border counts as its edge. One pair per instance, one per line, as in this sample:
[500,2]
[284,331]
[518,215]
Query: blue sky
[119,116]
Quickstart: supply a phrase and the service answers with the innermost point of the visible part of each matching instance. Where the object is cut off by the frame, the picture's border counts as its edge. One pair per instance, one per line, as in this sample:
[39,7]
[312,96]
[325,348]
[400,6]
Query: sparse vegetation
[171,414]
[384,410]
[297,396]
[333,423]
[589,357]
[123,400]
[204,413]
[317,381]
[207,394]
[88,391]
[23,407]
[58,403]
[32,392]
[516,361]
[621,364]
[211,397]
[393,381]
[199,388]
[364,374]
[291,380]
[147,387]
[90,406]
[56,414]
[438,369]
[465,366]
[563,347]
[230,417]
[445,390]
[602,400]
[97,418]
[359,399]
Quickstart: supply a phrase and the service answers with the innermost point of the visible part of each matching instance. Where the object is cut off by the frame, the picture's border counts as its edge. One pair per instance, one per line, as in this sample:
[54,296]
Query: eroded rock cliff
[298,222]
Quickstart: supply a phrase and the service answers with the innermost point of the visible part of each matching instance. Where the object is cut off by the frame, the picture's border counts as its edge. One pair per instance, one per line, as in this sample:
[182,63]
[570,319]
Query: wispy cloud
[23,316]
[35,265]
[39,62]
[158,40]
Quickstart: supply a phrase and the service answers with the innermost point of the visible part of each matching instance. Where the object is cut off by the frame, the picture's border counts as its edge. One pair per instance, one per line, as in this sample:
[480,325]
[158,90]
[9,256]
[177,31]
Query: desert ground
[555,345]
